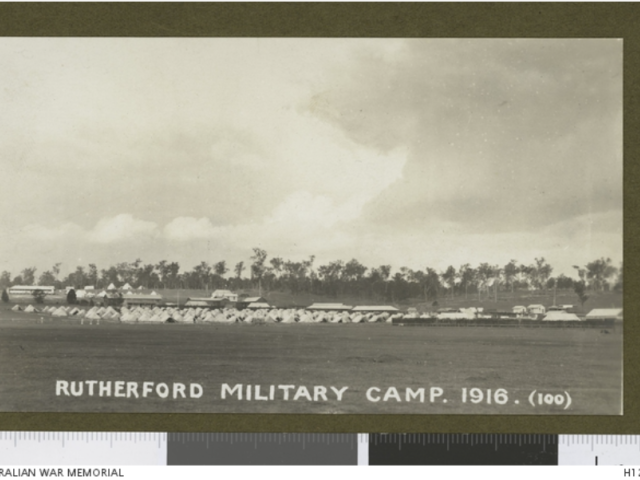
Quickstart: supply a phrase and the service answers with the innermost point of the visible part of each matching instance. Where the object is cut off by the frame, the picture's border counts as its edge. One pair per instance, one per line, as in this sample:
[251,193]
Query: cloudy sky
[404,152]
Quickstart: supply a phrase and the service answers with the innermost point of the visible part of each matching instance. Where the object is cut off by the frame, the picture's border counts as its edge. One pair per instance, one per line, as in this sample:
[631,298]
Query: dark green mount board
[364,20]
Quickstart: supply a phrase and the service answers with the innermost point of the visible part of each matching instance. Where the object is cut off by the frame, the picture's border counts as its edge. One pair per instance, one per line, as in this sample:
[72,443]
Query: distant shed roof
[142,301]
[253,300]
[205,302]
[605,313]
[259,305]
[136,296]
[329,306]
[196,303]
[560,316]
[223,294]
[375,308]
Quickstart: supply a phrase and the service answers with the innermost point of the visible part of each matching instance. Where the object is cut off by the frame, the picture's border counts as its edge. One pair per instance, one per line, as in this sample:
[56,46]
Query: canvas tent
[126,286]
[111,287]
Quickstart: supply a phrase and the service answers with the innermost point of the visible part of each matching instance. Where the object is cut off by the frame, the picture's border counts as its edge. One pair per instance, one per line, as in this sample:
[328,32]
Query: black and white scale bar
[262,449]
[462,449]
[83,448]
[153,448]
[599,450]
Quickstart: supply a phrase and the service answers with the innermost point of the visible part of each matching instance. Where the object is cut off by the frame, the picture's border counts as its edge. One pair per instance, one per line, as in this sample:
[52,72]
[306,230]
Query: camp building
[137,300]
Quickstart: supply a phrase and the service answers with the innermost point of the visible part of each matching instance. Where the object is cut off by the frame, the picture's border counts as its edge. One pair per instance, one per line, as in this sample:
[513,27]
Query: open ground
[585,364]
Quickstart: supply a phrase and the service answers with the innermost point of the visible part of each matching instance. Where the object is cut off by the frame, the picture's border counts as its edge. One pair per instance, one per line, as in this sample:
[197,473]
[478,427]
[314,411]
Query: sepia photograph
[311,225]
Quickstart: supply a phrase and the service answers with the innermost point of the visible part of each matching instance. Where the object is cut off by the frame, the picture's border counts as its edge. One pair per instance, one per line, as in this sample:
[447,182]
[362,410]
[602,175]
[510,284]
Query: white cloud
[302,209]
[42,232]
[121,227]
[303,224]
[189,228]
[298,218]
[336,148]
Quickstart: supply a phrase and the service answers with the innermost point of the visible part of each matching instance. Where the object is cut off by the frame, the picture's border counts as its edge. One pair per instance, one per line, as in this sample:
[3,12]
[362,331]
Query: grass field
[585,363]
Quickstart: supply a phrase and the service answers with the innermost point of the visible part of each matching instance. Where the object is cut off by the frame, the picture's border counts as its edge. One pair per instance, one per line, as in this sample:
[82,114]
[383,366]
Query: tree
[173,272]
[56,275]
[525,276]
[330,276]
[432,283]
[147,276]
[238,269]
[5,279]
[542,272]
[295,274]
[220,268]
[449,278]
[580,289]
[600,272]
[353,273]
[277,264]
[5,296]
[29,276]
[510,273]
[353,270]
[78,278]
[257,267]
[38,296]
[484,273]
[126,272]
[107,277]
[564,282]
[201,274]
[308,266]
[496,274]
[385,273]
[161,268]
[582,273]
[92,274]
[399,287]
[72,299]
[466,274]
[47,278]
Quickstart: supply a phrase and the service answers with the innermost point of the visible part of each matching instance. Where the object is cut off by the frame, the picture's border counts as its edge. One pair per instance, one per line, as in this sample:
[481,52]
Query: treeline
[334,278]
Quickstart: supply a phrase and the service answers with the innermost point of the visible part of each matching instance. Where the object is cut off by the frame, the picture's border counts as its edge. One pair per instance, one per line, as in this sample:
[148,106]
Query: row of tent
[231,315]
[205,315]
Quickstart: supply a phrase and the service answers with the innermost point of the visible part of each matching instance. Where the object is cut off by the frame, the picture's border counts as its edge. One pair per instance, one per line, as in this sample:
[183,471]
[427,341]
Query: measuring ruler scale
[120,448]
